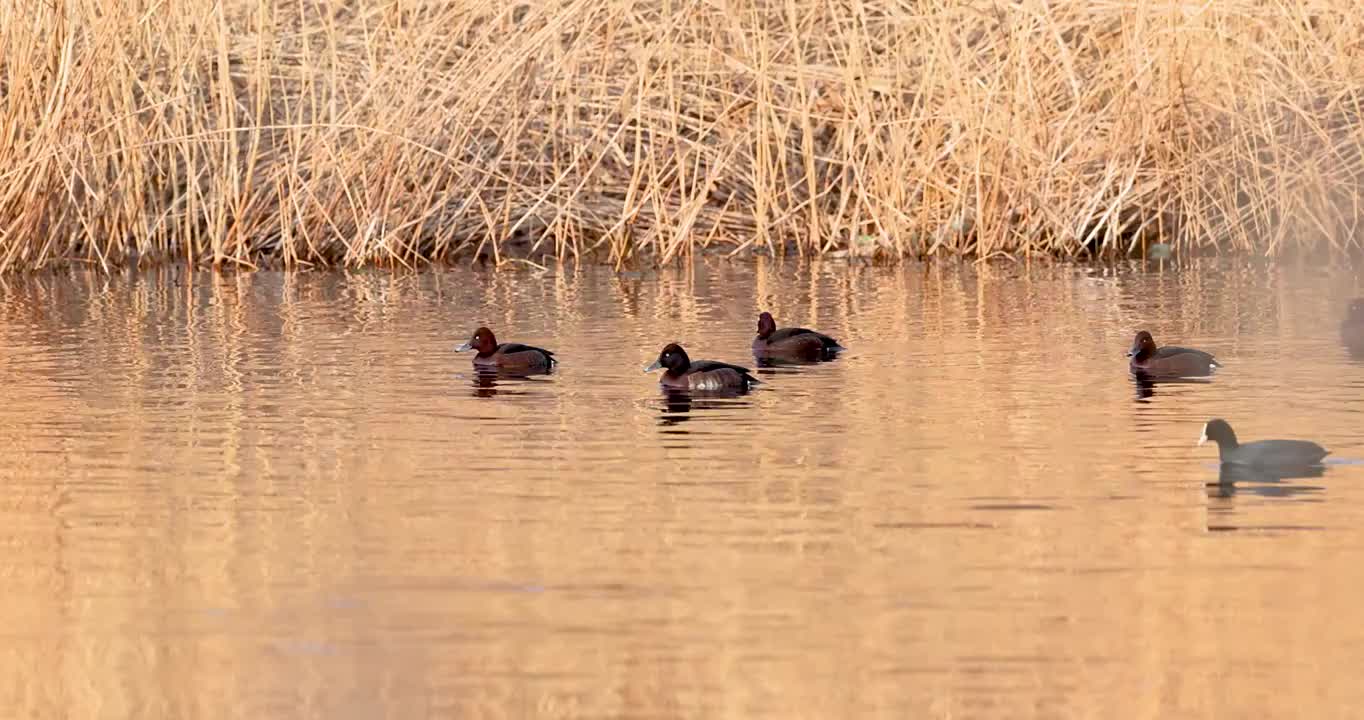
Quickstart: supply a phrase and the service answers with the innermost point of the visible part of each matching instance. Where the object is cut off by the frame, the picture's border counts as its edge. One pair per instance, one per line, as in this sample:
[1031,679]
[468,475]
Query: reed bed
[397,133]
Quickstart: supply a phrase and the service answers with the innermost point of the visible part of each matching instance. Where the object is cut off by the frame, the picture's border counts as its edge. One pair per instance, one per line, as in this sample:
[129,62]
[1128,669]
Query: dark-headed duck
[506,356]
[1261,453]
[793,344]
[1352,328]
[1168,361]
[683,373]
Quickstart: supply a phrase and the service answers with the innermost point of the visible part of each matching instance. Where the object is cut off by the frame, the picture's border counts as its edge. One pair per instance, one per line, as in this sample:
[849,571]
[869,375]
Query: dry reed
[317,133]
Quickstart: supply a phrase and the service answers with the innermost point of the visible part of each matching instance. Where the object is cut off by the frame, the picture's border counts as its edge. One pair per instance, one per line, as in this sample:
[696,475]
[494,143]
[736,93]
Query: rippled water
[274,495]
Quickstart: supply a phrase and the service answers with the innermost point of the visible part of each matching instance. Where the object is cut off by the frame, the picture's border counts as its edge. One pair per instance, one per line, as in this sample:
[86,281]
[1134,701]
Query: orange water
[273,495]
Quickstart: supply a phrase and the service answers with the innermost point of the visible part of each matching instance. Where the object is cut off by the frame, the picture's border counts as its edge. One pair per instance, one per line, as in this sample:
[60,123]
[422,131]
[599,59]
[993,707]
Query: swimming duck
[683,373]
[1352,328]
[792,344]
[1168,361]
[506,356]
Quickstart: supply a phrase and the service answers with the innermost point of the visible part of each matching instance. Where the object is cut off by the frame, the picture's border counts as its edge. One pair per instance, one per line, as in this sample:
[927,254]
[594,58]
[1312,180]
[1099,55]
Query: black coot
[1261,453]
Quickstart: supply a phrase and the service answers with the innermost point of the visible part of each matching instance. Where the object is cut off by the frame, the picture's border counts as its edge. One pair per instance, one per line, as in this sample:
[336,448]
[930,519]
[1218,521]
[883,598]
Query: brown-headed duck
[1352,328]
[683,373]
[1168,361]
[1261,453]
[506,356]
[791,344]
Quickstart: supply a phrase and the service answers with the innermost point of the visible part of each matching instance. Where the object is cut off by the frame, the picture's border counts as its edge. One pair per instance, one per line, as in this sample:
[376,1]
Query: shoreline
[515,267]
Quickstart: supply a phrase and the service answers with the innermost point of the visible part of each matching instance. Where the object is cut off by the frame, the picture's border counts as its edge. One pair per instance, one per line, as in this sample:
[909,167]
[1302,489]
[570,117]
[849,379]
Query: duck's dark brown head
[673,358]
[483,341]
[766,325]
[1143,346]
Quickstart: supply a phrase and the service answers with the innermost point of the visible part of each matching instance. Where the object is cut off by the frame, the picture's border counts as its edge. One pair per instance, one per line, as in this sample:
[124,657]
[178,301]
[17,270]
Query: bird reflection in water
[679,406]
[490,383]
[1146,383]
[1269,483]
[790,364]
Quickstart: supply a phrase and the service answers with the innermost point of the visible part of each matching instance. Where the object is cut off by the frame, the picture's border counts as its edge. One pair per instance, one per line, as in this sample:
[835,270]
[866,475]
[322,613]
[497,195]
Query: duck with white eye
[1261,453]
[683,373]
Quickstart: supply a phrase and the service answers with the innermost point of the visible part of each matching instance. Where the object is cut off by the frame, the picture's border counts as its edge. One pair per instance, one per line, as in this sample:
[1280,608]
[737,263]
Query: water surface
[283,495]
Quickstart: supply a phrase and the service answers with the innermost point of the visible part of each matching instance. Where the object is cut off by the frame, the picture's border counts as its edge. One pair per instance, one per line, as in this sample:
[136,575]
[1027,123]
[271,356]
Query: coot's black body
[1261,453]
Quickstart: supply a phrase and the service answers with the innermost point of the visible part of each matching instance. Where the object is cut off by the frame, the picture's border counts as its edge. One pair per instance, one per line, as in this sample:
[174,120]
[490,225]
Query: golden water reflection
[265,495]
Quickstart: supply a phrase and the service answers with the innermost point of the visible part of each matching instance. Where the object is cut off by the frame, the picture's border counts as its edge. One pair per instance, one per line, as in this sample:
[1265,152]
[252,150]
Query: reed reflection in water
[265,494]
